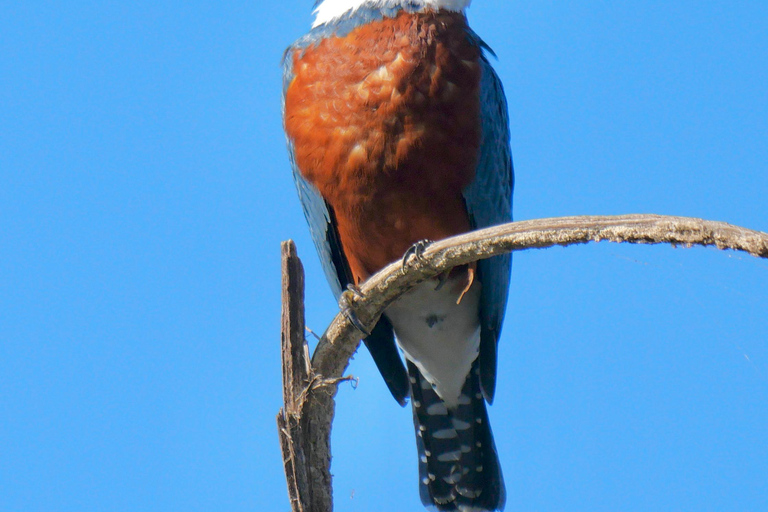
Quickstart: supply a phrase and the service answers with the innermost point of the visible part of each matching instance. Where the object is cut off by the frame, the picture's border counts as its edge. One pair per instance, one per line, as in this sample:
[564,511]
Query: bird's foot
[416,250]
[355,290]
[349,312]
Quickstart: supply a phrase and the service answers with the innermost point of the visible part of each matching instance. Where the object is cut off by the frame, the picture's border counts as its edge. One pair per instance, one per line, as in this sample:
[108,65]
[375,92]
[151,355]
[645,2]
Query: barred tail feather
[458,466]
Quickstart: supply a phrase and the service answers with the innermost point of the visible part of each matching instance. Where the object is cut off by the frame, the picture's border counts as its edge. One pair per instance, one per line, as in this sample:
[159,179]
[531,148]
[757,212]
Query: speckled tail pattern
[458,465]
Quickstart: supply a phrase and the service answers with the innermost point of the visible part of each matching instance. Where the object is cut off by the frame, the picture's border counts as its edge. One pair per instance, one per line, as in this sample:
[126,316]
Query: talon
[347,311]
[442,279]
[416,250]
[355,291]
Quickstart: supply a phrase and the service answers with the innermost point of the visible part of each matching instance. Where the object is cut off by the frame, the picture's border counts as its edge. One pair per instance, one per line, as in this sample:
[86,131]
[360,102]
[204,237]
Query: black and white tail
[458,466]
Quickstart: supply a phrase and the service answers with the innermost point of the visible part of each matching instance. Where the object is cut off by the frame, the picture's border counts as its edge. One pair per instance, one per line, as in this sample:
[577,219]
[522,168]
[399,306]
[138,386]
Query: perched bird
[397,131]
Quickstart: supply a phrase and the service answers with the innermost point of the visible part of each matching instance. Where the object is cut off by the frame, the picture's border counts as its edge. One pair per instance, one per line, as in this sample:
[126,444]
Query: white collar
[329,10]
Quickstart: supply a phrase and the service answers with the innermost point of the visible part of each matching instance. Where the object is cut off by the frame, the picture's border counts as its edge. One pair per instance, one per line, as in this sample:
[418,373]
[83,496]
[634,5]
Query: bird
[398,135]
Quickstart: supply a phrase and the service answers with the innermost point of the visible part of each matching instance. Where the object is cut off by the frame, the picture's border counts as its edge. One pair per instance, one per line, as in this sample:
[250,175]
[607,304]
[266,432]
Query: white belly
[440,337]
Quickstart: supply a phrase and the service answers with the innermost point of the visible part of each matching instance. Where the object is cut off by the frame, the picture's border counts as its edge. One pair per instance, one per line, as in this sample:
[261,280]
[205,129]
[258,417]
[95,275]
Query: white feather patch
[329,10]
[442,338]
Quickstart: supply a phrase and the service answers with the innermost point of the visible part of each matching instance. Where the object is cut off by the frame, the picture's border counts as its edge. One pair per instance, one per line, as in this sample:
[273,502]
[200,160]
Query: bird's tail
[458,466]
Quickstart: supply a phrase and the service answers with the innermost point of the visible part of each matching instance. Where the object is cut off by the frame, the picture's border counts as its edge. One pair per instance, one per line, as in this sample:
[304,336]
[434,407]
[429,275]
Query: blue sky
[144,190]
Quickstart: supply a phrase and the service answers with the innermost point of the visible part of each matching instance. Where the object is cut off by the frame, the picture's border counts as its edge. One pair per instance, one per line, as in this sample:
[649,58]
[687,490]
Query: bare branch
[340,341]
[296,379]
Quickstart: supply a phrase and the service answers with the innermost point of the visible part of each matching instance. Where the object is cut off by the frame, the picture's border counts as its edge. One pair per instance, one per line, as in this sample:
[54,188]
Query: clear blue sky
[144,190]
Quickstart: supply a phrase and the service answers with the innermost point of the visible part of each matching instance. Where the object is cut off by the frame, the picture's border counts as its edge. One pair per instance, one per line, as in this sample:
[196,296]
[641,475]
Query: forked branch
[305,421]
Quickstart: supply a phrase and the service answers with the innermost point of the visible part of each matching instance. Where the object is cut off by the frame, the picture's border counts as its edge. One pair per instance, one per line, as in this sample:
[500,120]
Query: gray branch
[305,421]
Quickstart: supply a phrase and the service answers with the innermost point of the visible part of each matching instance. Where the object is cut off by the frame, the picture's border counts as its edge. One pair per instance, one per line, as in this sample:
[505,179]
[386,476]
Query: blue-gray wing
[489,202]
[322,227]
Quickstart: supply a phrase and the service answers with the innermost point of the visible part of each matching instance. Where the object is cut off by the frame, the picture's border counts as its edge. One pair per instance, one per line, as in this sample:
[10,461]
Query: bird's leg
[348,311]
[416,250]
[470,280]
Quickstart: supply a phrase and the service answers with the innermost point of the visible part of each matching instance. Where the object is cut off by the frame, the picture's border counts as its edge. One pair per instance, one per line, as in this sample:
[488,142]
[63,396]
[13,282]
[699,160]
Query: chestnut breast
[385,122]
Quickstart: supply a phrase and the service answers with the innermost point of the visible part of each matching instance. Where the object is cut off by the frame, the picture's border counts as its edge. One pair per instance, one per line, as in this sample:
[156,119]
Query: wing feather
[489,202]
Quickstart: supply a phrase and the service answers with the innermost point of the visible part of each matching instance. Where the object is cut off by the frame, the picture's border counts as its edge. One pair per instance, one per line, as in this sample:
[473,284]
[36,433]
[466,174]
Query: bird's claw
[348,311]
[355,291]
[416,250]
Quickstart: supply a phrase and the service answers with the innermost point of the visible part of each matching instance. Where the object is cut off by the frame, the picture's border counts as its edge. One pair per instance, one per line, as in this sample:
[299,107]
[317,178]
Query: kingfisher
[398,134]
